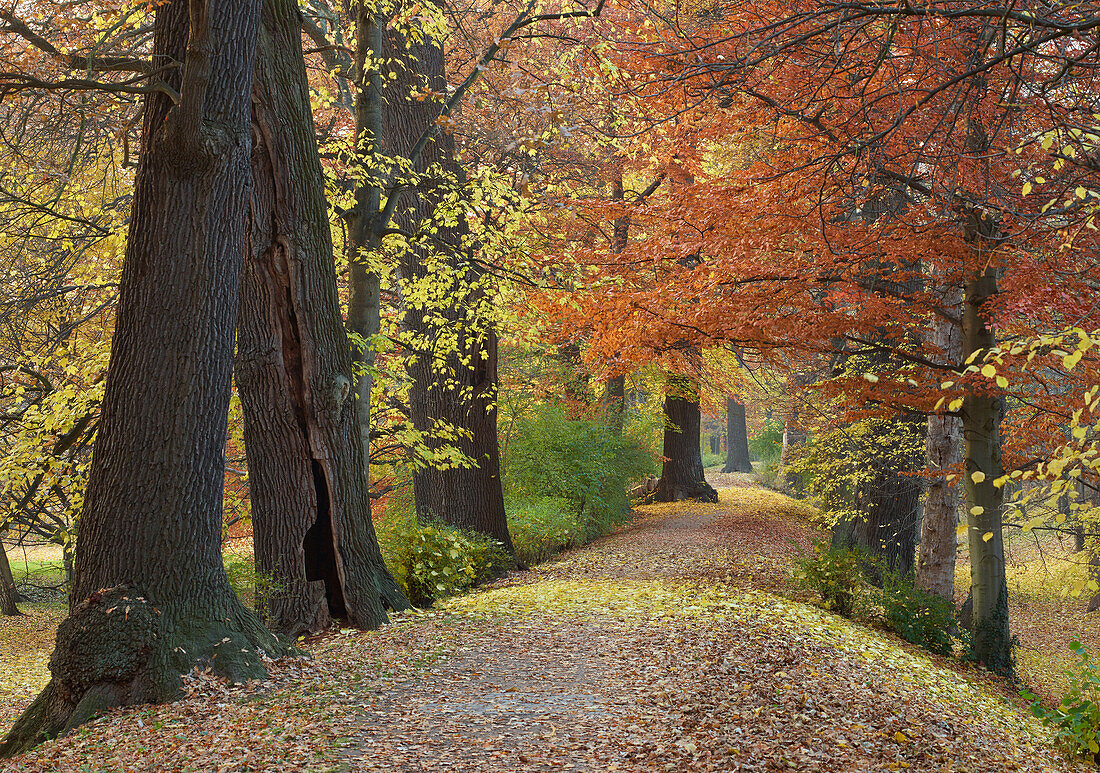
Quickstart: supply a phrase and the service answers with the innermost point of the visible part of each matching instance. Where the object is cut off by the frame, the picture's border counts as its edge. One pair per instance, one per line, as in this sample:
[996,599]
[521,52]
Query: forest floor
[676,644]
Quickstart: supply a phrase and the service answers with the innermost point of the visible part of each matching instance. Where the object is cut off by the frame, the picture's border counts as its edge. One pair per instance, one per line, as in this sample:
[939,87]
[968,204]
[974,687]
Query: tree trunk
[936,565]
[8,596]
[314,540]
[682,474]
[616,404]
[888,503]
[793,439]
[982,414]
[737,438]
[151,599]
[448,314]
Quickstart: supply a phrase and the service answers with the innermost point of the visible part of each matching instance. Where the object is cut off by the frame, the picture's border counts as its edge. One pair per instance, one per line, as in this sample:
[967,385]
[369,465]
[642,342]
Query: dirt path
[661,648]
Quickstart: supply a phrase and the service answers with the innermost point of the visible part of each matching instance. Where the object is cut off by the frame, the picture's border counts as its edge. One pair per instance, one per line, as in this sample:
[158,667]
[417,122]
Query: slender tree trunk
[936,565]
[982,413]
[682,474]
[737,438]
[314,540]
[448,314]
[794,437]
[8,597]
[363,228]
[151,599]
[616,404]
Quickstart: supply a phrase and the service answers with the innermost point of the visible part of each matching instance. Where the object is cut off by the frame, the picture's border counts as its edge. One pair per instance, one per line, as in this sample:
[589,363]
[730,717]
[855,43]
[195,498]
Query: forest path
[655,649]
[671,645]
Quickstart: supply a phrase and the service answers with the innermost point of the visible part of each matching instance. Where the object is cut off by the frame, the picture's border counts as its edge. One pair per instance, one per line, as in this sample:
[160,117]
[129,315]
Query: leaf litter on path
[664,647]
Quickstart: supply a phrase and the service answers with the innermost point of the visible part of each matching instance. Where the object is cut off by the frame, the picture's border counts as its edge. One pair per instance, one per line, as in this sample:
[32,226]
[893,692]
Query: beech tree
[8,597]
[151,599]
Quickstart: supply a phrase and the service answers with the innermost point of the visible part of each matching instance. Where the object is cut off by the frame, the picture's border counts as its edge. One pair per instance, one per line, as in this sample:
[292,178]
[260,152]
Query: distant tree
[737,438]
[8,596]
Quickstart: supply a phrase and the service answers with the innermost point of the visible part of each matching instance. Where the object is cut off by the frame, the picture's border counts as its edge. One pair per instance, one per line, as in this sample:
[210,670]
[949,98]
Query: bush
[835,575]
[917,615]
[431,561]
[541,527]
[768,445]
[1077,718]
[576,461]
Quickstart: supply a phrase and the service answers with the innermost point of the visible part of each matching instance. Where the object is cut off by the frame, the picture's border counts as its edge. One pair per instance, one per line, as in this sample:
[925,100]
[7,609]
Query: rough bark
[737,438]
[682,474]
[151,599]
[936,564]
[453,367]
[8,597]
[314,541]
[982,413]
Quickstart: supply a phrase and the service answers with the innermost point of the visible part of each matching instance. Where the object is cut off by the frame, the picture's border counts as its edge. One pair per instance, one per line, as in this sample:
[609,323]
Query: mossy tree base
[119,649]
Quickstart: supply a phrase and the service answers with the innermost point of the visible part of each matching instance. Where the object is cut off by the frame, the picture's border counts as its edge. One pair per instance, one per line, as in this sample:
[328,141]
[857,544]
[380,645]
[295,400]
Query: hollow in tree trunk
[737,438]
[315,545]
[151,599]
[682,473]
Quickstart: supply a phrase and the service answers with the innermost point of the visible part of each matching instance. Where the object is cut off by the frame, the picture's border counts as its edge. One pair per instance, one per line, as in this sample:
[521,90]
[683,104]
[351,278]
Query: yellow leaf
[1027,188]
[977,510]
[988,370]
[900,737]
[977,476]
[1002,382]
[987,536]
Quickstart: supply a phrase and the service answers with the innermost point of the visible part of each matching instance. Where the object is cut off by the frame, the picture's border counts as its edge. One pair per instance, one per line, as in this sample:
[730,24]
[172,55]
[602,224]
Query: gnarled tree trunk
[682,473]
[151,599]
[737,438]
[314,541]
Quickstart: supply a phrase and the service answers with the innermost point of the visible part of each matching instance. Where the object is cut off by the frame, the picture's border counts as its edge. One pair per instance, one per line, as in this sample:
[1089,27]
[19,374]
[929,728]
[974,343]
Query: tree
[682,474]
[8,596]
[448,321]
[151,599]
[308,483]
[737,438]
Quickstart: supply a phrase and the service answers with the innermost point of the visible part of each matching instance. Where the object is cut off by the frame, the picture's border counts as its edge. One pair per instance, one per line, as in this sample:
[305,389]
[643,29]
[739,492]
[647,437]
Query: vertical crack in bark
[319,542]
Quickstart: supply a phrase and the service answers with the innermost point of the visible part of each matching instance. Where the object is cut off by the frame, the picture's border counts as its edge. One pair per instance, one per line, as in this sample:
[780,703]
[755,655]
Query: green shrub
[578,461]
[431,561]
[541,527]
[1077,718]
[768,445]
[835,575]
[917,615]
